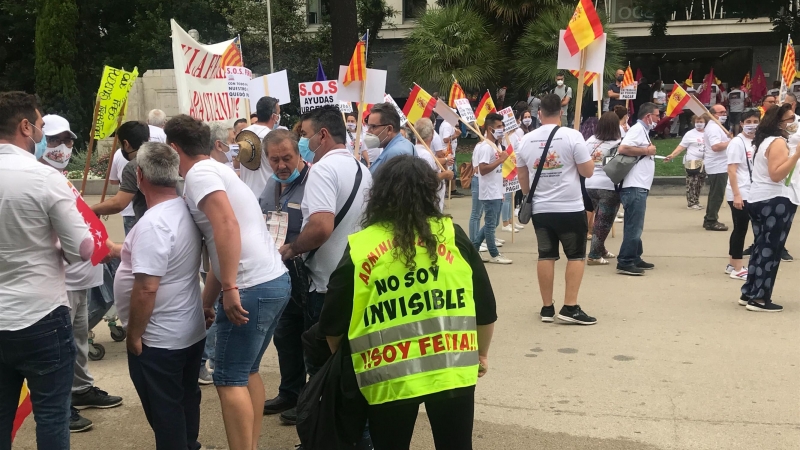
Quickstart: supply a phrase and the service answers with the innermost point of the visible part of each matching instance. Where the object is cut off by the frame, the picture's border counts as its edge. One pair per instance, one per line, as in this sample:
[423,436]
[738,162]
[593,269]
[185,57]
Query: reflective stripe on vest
[412,332]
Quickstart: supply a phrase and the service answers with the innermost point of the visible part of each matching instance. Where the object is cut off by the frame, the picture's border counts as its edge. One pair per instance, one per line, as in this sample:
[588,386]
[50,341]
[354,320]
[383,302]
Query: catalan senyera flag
[677,100]
[510,164]
[588,77]
[746,82]
[788,68]
[232,56]
[689,81]
[583,28]
[627,79]
[455,93]
[357,70]
[419,104]
[485,107]
[24,408]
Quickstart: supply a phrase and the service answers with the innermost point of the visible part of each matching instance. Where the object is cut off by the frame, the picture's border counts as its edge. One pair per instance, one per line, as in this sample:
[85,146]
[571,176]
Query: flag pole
[113,151]
[782,91]
[361,104]
[419,139]
[579,99]
[269,31]
[91,144]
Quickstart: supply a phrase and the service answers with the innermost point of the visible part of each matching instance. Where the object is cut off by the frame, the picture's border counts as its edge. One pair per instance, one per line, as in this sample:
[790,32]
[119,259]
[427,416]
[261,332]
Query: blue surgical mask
[41,146]
[291,178]
[305,152]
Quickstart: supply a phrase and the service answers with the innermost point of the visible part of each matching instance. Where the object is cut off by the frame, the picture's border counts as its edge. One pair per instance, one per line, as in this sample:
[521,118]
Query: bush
[97,168]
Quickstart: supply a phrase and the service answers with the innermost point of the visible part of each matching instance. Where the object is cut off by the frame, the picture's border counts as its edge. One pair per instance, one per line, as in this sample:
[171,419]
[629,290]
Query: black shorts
[568,228]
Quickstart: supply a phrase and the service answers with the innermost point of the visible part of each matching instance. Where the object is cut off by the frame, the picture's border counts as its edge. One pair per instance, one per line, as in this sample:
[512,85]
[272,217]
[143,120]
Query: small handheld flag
[583,28]
[232,56]
[455,93]
[419,104]
[357,70]
[485,107]
[789,66]
[677,100]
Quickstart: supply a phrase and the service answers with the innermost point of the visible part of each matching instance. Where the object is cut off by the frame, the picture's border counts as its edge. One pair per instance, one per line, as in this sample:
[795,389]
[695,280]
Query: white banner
[238,80]
[315,94]
[595,55]
[202,87]
[465,110]
[509,121]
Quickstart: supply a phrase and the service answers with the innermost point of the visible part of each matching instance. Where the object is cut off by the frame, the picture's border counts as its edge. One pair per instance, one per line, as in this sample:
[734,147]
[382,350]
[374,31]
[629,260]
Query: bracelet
[231,289]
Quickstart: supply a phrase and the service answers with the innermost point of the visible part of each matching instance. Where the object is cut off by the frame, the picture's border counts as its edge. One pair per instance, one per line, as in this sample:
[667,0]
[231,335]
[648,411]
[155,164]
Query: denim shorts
[240,348]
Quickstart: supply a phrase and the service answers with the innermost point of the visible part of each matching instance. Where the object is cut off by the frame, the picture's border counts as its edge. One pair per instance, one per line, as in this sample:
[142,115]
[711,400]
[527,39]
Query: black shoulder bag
[526,209]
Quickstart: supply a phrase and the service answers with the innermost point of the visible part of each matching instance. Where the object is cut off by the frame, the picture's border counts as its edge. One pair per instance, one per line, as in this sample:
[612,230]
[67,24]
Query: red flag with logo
[96,227]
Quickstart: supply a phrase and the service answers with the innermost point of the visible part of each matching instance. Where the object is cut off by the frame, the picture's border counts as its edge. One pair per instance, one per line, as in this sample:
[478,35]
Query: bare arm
[227,237]
[678,150]
[114,204]
[612,94]
[565,100]
[637,151]
[524,179]
[485,333]
[316,232]
[721,147]
[334,342]
[586,170]
[779,163]
[143,300]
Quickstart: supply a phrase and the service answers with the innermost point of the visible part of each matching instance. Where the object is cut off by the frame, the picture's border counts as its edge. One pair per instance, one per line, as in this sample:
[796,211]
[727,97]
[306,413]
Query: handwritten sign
[465,110]
[346,107]
[114,88]
[315,94]
[388,99]
[509,121]
[238,81]
[511,185]
[628,93]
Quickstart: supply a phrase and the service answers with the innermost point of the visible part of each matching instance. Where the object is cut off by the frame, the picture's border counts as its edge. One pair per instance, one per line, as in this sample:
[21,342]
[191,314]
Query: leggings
[772,220]
[391,425]
[694,183]
[605,204]
[741,220]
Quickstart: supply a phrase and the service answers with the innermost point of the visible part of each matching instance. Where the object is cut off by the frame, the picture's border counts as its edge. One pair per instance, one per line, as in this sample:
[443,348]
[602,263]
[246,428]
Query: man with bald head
[716,141]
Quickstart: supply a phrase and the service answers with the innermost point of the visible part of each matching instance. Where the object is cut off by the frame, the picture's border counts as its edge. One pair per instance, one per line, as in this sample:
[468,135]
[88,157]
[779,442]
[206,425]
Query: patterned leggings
[772,220]
[606,205]
[694,183]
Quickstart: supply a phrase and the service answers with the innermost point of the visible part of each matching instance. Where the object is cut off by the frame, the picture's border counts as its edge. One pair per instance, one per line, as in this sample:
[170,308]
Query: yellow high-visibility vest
[412,332]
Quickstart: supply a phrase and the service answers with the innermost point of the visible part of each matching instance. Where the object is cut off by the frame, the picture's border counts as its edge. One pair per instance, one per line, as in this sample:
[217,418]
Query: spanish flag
[510,164]
[455,93]
[419,104]
[583,28]
[485,107]
[677,100]
[24,408]
[588,77]
[357,70]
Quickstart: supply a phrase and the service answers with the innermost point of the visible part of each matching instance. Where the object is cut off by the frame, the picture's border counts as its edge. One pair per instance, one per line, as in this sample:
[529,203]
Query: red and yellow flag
[689,82]
[588,77]
[746,82]
[510,164]
[232,56]
[419,104]
[583,28]
[789,66]
[357,70]
[24,408]
[455,93]
[627,79]
[485,107]
[677,100]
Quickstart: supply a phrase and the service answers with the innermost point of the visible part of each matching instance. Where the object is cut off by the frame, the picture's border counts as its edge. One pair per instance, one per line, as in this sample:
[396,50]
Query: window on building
[413,9]
[317,9]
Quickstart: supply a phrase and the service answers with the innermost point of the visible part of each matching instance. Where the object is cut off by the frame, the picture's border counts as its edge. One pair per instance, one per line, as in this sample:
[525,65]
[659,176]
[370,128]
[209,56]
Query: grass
[664,147]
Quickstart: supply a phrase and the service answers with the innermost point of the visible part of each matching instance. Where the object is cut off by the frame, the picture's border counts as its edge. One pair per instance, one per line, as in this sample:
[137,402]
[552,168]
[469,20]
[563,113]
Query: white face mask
[560,82]
[351,126]
[722,119]
[499,134]
[792,128]
[277,120]
[750,128]
[700,126]
[527,121]
[58,157]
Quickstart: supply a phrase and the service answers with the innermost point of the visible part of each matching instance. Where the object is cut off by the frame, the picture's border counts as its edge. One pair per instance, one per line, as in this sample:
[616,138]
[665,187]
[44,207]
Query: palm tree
[452,41]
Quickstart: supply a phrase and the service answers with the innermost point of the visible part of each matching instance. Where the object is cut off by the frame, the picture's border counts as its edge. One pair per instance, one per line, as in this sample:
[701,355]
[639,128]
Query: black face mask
[125,154]
[620,77]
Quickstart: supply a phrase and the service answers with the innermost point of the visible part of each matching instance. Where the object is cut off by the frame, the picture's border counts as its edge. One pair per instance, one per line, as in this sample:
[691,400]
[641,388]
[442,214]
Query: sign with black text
[315,94]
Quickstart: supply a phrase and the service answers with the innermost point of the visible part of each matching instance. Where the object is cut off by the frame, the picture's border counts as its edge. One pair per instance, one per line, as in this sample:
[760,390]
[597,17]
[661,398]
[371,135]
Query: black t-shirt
[127,183]
[338,308]
[614,101]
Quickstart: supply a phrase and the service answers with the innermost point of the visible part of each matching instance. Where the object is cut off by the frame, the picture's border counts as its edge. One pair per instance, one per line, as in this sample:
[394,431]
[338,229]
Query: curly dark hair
[403,197]
[771,124]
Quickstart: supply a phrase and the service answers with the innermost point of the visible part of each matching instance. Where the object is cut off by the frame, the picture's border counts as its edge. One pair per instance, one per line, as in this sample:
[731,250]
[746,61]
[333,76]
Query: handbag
[693,167]
[619,166]
[526,208]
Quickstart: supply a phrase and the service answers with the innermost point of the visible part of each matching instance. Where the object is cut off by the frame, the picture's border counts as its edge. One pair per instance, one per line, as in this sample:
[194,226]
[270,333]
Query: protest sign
[627,93]
[346,107]
[238,81]
[509,121]
[446,113]
[115,85]
[388,99]
[314,94]
[511,185]
[595,55]
[273,85]
[200,81]
[465,110]
[376,87]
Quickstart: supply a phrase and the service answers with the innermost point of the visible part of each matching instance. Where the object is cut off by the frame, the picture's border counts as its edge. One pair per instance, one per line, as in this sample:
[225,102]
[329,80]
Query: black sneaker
[574,314]
[547,313]
[95,398]
[765,307]
[645,265]
[278,405]
[78,423]
[289,417]
[748,250]
[786,257]
[630,270]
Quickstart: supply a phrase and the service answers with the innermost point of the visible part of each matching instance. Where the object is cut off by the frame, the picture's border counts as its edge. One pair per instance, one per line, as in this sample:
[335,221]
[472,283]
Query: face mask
[125,154]
[792,128]
[560,82]
[722,119]
[700,126]
[305,152]
[291,178]
[376,136]
[750,128]
[499,134]
[527,121]
[39,147]
[58,157]
[620,77]
[278,120]
[351,126]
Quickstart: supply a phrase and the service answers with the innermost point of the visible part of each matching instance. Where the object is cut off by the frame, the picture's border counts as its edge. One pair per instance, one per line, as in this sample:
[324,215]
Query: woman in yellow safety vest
[414,299]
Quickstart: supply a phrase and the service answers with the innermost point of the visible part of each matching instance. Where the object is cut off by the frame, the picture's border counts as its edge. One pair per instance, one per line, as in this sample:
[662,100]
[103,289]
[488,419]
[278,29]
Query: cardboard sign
[511,185]
[272,85]
[346,107]
[388,99]
[595,55]
[509,121]
[376,87]
[446,113]
[465,110]
[315,94]
[238,81]
[628,93]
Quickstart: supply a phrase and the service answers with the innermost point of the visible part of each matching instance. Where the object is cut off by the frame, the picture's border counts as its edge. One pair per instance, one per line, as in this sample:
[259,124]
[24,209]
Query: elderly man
[425,129]
[222,137]
[239,125]
[716,141]
[60,140]
[156,119]
[255,172]
[157,294]
[384,122]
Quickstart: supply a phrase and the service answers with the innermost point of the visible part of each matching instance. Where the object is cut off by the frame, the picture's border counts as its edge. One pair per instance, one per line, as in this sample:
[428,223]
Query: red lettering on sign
[424,343]
[317,88]
[198,71]
[332,87]
[189,65]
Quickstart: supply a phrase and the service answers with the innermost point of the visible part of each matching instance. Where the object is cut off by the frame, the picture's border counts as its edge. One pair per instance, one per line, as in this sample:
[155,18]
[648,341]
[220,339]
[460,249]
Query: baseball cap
[54,125]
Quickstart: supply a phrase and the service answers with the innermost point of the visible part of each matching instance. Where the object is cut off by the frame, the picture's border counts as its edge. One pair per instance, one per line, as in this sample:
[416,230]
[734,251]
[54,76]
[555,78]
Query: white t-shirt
[715,162]
[642,174]
[351,143]
[736,99]
[559,188]
[425,155]
[117,165]
[763,188]
[695,145]
[164,243]
[660,97]
[447,130]
[157,134]
[259,261]
[83,275]
[515,136]
[622,131]
[490,186]
[256,180]
[794,138]
[330,182]
[740,152]
[437,144]
[598,150]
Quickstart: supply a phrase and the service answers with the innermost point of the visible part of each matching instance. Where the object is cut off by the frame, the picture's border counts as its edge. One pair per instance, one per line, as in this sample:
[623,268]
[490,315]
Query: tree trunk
[344,32]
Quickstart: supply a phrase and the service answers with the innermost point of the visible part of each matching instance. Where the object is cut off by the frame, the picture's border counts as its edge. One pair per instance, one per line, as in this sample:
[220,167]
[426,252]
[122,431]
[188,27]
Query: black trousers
[741,221]
[391,425]
[166,381]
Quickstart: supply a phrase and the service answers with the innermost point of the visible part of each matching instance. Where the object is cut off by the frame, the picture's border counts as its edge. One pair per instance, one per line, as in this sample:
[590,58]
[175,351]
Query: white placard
[465,110]
[238,81]
[628,93]
[446,113]
[509,121]
[388,99]
[315,94]
[376,87]
[346,107]
[272,85]
[595,55]
[511,185]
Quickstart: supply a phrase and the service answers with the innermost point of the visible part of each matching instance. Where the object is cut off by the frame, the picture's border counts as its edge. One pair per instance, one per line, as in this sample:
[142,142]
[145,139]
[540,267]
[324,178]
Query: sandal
[597,262]
[609,255]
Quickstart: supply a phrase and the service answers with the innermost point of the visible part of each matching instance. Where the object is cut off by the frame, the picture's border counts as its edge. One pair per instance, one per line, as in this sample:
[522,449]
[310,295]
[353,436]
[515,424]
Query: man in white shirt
[157,294]
[488,164]
[424,127]
[156,119]
[449,137]
[635,189]
[558,211]
[36,341]
[245,267]
[736,99]
[716,166]
[221,140]
[776,88]
[256,171]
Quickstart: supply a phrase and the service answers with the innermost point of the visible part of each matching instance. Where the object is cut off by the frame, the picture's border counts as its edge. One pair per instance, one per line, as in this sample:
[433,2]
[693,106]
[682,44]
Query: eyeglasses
[371,126]
[58,141]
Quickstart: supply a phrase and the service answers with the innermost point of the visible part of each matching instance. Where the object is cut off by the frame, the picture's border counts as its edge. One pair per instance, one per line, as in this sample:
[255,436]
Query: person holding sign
[352,124]
[444,319]
[613,90]
[384,123]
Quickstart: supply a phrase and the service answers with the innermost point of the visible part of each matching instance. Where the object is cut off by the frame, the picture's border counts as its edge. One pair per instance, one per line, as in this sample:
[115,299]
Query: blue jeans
[43,354]
[294,321]
[240,348]
[477,211]
[127,223]
[635,202]
[492,208]
[507,204]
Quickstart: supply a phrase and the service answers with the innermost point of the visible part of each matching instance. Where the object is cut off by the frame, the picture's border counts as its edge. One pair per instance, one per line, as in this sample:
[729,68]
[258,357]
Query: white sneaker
[500,259]
[484,256]
[484,248]
[519,226]
[499,242]
[621,213]
[729,269]
[618,220]
[507,228]
[740,275]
